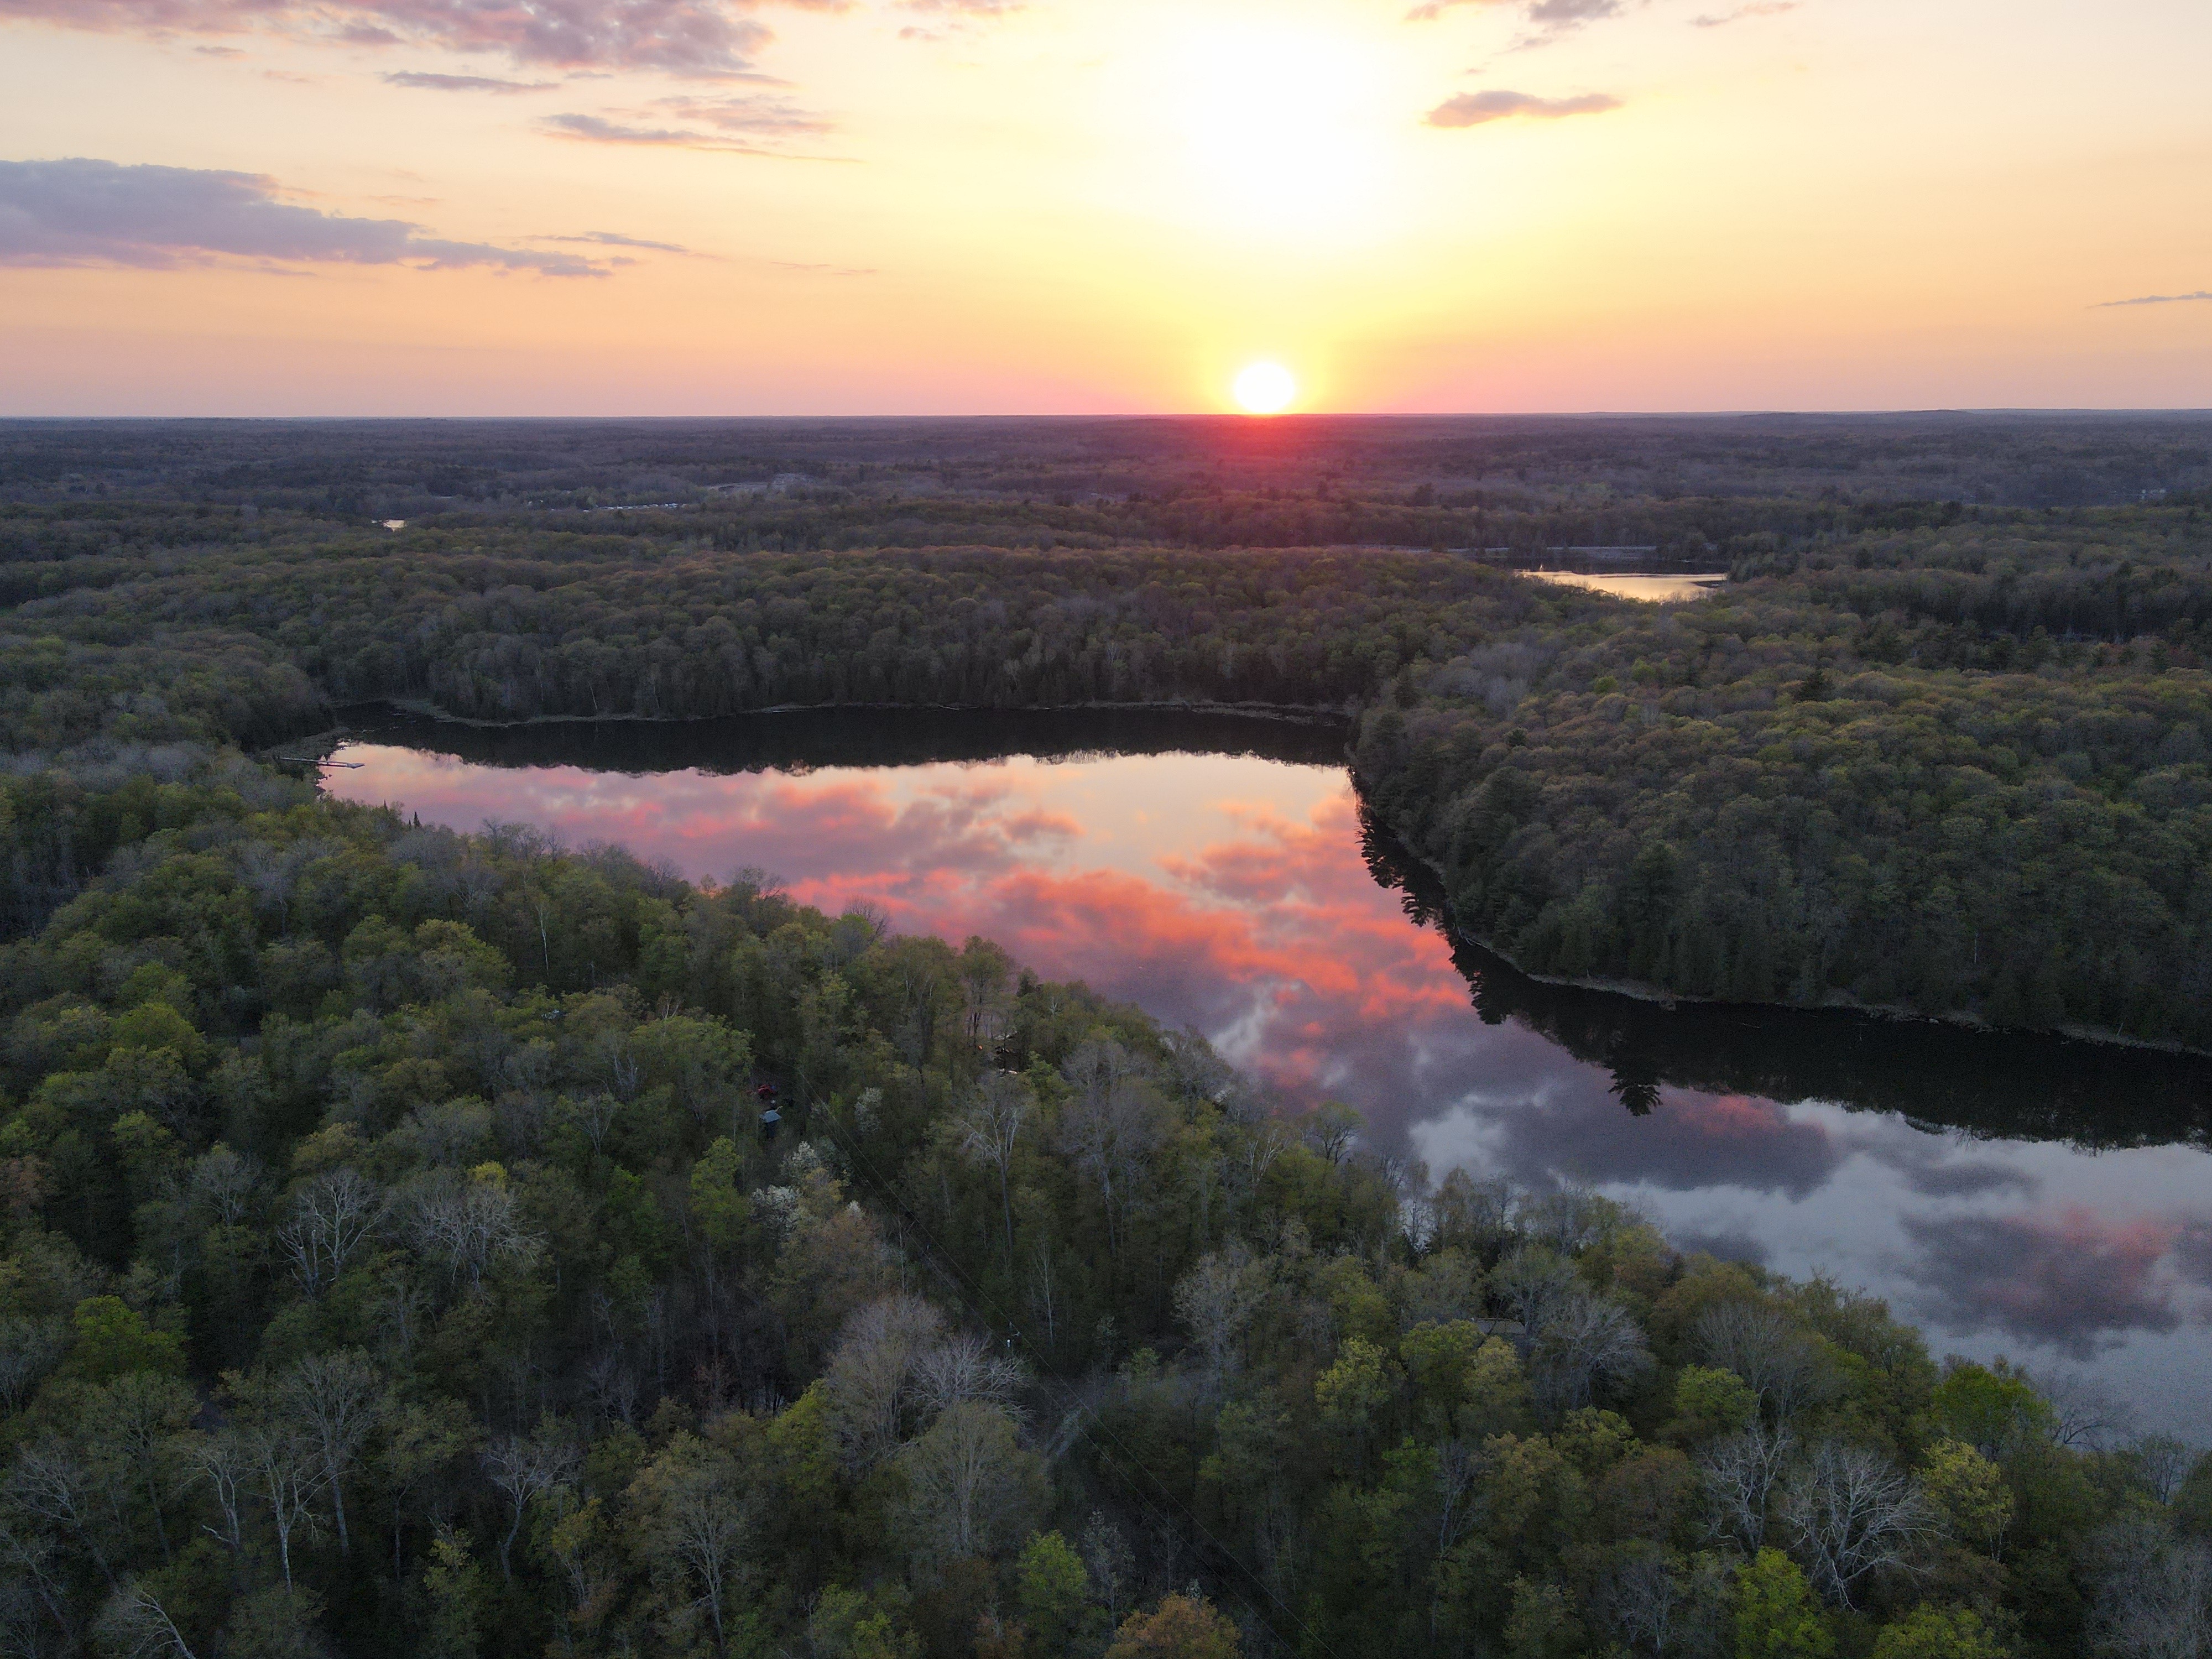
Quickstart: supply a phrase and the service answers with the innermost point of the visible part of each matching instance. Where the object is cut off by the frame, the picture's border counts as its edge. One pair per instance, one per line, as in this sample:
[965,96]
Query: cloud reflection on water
[1229,893]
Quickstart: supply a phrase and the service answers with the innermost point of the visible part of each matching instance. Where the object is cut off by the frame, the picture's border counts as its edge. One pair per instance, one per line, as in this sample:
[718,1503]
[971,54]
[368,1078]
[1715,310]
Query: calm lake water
[1655,589]
[2046,1200]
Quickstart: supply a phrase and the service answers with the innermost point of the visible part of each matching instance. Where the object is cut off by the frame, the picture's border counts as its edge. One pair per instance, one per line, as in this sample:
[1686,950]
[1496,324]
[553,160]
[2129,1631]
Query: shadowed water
[2035,1196]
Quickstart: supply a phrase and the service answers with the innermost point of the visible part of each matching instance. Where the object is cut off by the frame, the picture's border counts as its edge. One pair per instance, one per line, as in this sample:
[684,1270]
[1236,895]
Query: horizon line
[1234,417]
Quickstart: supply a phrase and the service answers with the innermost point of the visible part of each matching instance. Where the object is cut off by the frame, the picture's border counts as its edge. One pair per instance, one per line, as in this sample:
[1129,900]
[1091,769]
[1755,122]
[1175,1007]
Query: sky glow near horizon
[1072,206]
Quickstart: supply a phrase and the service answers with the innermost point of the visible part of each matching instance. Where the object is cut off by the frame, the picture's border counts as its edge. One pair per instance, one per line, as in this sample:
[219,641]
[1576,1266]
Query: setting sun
[1265,388]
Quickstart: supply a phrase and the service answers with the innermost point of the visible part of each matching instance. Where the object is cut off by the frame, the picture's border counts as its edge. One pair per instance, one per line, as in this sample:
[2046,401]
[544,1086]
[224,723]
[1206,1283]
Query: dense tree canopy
[394,1259]
[1952,762]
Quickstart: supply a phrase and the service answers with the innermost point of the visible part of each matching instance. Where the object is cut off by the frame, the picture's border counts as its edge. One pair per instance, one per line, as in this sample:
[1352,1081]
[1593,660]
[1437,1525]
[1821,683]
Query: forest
[1954,764]
[395,1260]
[419,1243]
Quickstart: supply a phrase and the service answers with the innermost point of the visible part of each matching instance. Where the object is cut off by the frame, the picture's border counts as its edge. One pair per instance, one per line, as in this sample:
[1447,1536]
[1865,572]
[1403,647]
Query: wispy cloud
[2154,300]
[1475,109]
[82,211]
[598,129]
[961,9]
[741,126]
[1759,9]
[763,116]
[1549,18]
[428,82]
[1571,14]
[683,37]
[608,239]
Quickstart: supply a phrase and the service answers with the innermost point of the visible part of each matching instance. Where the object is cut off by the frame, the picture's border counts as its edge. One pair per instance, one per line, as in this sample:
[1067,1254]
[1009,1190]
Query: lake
[1650,587]
[2031,1196]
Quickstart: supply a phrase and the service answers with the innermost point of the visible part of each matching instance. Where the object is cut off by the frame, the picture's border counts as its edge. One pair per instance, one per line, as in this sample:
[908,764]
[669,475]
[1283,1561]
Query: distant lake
[2036,1197]
[1652,588]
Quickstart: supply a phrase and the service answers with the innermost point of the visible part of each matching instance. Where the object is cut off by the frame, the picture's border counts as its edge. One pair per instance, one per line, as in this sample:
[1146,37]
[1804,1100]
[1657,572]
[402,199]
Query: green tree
[1930,1632]
[1968,1493]
[1181,1627]
[114,1339]
[1709,1401]
[1777,1615]
[719,1205]
[1052,1589]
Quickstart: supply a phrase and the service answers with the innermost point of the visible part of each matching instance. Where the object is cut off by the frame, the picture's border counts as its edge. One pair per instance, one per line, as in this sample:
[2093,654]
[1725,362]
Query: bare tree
[1587,1341]
[223,1458]
[330,1216]
[1569,1220]
[871,1371]
[2155,1598]
[141,1416]
[1111,1564]
[1333,1131]
[470,1224]
[1216,1300]
[32,1582]
[963,1368]
[1660,1606]
[1535,1285]
[2084,1413]
[1740,1474]
[336,1399]
[523,1469]
[1459,1472]
[594,1115]
[289,1474]
[50,1482]
[1045,1296]
[699,1518]
[1111,1126]
[29,1348]
[2164,1462]
[269,872]
[1196,1069]
[135,1623]
[222,1184]
[987,993]
[1851,1512]
[988,1130]
[970,1486]
[1773,1357]
[1475,1215]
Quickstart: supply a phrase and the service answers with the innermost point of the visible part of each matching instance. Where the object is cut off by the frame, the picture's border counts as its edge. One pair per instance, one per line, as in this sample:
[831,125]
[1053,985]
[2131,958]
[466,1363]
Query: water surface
[2048,1199]
[1651,588]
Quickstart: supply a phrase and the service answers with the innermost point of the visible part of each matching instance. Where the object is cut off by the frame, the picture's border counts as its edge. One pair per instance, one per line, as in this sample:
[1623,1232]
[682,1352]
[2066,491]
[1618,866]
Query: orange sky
[1101,205]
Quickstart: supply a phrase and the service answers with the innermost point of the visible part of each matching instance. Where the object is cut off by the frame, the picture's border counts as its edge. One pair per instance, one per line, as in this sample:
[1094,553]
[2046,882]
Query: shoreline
[1298,714]
[1642,991]
[1645,991]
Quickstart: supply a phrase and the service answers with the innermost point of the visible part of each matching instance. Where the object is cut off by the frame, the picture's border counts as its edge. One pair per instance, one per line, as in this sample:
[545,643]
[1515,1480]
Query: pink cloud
[683,37]
[2074,1280]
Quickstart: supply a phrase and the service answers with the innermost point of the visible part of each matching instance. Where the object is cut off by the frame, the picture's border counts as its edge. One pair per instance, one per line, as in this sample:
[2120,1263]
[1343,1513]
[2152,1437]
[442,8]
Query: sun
[1265,388]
